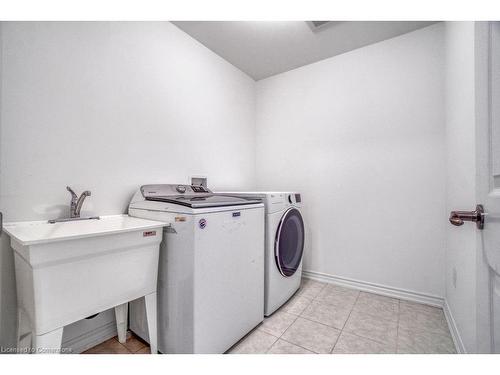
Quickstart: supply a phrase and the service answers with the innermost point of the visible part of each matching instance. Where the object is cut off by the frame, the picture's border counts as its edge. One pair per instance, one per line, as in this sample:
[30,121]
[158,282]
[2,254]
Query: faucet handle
[73,194]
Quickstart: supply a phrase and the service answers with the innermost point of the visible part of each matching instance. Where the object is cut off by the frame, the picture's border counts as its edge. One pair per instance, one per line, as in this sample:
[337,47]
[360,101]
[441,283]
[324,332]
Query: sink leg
[49,343]
[24,333]
[150,302]
[121,312]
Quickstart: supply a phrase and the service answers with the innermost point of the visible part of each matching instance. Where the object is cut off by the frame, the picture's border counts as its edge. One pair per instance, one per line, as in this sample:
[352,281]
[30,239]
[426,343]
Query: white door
[487,85]
[487,158]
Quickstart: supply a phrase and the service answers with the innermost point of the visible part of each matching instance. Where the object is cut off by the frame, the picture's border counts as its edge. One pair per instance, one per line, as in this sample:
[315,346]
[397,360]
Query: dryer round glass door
[289,242]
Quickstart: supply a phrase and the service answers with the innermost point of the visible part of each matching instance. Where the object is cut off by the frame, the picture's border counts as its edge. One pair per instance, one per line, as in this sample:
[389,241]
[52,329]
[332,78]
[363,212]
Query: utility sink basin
[67,271]
[38,232]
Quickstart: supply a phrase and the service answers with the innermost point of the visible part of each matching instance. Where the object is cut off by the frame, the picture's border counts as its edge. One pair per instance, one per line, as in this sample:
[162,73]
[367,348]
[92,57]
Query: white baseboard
[384,290]
[92,338]
[452,325]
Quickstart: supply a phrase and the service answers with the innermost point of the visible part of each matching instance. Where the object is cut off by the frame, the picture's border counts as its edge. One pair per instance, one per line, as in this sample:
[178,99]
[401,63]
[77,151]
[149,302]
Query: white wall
[461,177]
[108,107]
[367,137]
[361,135]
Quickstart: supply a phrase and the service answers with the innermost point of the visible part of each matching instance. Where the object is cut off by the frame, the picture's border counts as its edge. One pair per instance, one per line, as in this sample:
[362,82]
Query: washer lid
[204,201]
[191,196]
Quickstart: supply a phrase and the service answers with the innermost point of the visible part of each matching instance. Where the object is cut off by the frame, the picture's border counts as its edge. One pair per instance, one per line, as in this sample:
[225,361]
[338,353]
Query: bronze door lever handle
[459,217]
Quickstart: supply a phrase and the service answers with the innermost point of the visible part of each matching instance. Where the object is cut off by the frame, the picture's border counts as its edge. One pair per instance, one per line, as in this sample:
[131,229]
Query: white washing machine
[211,270]
[284,244]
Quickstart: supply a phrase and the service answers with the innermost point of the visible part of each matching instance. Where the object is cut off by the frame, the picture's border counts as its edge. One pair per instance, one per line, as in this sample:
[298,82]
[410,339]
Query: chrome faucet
[76,202]
[76,206]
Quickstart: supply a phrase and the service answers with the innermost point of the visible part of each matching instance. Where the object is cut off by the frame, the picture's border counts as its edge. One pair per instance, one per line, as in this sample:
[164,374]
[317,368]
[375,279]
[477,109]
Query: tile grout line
[312,321]
[323,324]
[297,317]
[275,341]
[279,337]
[127,349]
[315,300]
[138,350]
[373,316]
[291,324]
[316,296]
[424,329]
[345,323]
[380,317]
[350,312]
[315,321]
[366,338]
[378,341]
[300,346]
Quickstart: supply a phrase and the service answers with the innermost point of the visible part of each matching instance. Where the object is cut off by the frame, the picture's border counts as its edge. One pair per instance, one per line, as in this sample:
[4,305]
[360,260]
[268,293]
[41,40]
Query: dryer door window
[289,242]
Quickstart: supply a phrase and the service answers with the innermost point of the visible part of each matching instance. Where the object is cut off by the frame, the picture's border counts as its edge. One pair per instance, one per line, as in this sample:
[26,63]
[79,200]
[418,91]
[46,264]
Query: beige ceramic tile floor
[324,318]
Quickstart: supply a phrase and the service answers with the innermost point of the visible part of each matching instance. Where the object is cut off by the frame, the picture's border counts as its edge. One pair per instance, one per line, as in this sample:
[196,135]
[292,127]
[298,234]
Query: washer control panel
[199,189]
[165,190]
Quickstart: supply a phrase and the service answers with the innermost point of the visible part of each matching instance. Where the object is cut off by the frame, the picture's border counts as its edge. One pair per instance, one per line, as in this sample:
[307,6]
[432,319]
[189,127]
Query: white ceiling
[265,48]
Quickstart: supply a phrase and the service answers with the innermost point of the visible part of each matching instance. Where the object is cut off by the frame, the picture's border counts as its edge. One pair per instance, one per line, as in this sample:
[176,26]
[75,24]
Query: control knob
[181,189]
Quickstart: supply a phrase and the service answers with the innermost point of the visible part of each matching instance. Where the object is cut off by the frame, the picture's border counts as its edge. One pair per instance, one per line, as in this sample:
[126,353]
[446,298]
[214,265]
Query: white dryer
[284,244]
[211,270]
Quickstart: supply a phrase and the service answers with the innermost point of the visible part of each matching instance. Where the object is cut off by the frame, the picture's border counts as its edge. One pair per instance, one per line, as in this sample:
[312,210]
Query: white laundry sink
[70,270]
